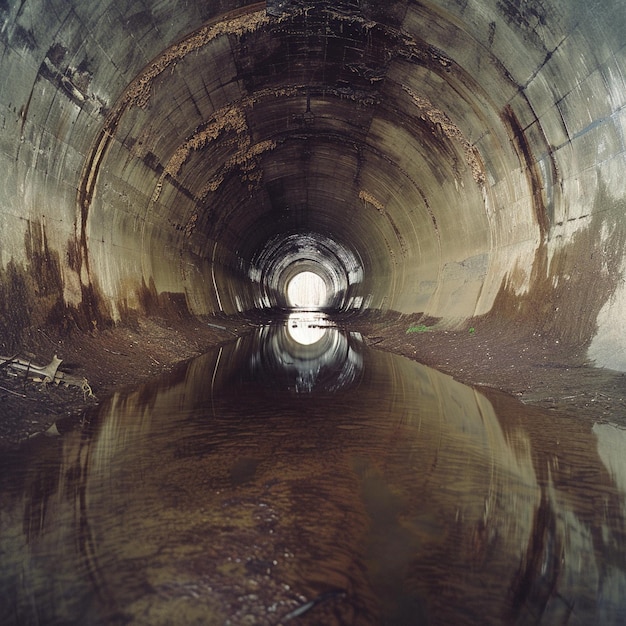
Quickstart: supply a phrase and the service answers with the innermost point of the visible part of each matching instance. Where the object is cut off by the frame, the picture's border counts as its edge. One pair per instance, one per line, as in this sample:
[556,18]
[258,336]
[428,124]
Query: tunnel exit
[307,290]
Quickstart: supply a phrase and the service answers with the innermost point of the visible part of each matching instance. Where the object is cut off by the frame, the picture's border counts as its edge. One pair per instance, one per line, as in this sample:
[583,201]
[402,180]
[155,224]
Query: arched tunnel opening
[440,179]
[307,269]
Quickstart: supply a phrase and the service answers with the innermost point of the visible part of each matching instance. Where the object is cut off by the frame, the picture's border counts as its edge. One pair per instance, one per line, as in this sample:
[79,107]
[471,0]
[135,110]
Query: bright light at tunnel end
[306,271]
[307,290]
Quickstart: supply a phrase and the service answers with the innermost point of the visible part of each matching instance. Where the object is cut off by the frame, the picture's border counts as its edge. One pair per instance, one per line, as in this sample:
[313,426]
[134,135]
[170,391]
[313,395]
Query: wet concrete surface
[271,482]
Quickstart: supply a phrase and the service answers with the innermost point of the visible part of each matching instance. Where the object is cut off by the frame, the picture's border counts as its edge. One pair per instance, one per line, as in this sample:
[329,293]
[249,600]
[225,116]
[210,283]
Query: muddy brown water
[296,476]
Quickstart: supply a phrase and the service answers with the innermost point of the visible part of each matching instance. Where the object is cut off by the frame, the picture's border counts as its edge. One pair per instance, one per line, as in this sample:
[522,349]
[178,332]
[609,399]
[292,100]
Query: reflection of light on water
[306,328]
[411,479]
[308,353]
[611,445]
[306,290]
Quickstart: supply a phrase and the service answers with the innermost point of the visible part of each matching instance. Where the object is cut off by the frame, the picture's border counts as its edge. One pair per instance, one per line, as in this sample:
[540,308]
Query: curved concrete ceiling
[448,157]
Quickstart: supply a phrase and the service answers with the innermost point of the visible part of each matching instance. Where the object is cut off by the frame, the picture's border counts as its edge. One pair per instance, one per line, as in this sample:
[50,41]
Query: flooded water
[296,476]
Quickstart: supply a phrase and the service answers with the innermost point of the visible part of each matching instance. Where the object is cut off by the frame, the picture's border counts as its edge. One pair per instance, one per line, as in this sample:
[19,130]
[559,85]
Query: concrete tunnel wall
[450,157]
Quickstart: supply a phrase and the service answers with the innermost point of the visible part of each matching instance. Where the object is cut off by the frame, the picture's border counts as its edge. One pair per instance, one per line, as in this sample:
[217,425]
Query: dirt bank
[537,369]
[108,359]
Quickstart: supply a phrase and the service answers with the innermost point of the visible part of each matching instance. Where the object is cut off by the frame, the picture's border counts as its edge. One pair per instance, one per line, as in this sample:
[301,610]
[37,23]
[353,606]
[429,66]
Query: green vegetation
[420,328]
[472,330]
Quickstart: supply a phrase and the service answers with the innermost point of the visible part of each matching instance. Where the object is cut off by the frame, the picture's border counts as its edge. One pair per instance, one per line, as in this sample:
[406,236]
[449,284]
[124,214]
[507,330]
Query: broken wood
[49,373]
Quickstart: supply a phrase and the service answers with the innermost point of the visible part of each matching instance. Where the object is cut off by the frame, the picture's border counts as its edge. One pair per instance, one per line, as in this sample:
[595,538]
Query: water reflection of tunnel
[406,498]
[447,158]
[307,354]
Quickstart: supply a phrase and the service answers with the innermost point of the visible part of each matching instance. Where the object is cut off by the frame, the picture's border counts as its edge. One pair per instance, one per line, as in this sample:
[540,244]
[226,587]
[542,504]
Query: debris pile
[50,373]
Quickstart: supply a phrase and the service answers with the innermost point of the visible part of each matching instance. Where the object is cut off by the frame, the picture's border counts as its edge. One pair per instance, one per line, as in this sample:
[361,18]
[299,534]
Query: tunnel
[442,180]
[450,158]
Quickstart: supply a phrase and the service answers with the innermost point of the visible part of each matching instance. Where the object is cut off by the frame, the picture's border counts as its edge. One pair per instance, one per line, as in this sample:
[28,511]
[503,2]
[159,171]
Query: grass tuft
[420,328]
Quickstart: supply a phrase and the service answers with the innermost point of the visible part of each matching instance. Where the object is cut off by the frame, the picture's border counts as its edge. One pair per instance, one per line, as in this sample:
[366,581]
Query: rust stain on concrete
[138,94]
[440,119]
